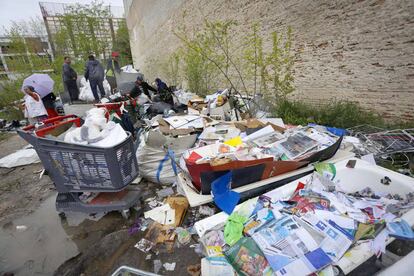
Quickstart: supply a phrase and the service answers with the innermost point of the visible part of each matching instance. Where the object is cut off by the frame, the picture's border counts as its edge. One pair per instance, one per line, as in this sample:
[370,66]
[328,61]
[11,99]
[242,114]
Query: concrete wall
[357,50]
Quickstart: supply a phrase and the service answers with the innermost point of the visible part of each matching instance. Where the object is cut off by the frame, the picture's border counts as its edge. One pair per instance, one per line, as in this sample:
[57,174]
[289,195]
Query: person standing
[34,110]
[94,72]
[69,76]
[111,68]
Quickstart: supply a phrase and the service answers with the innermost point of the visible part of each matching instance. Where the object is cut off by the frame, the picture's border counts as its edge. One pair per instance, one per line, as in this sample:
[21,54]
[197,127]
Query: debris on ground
[21,157]
[306,225]
[157,266]
[144,245]
[183,236]
[206,211]
[194,270]
[169,266]
[312,226]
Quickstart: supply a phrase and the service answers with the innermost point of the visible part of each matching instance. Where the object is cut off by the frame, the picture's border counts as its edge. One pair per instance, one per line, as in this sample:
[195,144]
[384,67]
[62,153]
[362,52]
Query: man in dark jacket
[112,67]
[69,79]
[94,72]
[141,87]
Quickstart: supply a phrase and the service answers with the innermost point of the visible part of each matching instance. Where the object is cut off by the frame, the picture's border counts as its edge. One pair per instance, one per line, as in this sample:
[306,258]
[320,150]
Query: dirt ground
[21,190]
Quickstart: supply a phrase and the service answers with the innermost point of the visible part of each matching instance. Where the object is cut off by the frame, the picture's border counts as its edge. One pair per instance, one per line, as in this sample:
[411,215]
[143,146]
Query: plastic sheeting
[128,69]
[20,158]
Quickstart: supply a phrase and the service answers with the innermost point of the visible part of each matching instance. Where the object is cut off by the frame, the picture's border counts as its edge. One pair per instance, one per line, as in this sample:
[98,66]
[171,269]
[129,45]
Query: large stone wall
[347,49]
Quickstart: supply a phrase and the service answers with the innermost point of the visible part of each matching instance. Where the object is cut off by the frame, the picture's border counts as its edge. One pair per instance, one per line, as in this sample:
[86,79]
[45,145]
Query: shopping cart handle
[43,131]
[51,120]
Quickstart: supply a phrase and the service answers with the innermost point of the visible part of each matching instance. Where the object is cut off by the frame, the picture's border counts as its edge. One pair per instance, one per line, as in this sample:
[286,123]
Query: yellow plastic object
[234,142]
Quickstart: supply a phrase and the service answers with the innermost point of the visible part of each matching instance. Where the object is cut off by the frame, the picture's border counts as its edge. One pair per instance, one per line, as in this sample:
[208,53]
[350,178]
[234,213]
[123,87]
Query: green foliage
[255,64]
[26,58]
[9,100]
[281,63]
[342,114]
[206,57]
[250,71]
[122,45]
[80,29]
[171,70]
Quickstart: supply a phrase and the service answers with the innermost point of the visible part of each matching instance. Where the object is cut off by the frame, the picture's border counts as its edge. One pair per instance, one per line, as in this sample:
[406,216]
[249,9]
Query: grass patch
[10,113]
[342,114]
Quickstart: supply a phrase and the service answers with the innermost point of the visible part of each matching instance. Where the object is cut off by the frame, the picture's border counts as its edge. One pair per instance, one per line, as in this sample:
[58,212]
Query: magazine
[247,259]
[297,145]
[283,241]
[267,140]
[336,242]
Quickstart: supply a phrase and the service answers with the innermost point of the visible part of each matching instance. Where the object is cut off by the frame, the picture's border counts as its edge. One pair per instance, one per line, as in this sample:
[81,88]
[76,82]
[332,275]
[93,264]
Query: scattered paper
[21,228]
[275,121]
[379,243]
[216,266]
[157,265]
[163,214]
[260,133]
[144,245]
[369,158]
[169,266]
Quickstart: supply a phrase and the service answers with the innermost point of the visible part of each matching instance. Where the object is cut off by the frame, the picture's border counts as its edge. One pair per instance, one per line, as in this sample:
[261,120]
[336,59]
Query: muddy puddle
[37,244]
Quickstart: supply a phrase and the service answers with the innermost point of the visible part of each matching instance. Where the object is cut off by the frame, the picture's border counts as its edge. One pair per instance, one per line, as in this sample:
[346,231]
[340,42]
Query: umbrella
[42,83]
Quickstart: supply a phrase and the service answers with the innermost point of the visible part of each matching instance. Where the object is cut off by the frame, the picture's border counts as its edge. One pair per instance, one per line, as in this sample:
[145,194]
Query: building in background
[69,31]
[11,61]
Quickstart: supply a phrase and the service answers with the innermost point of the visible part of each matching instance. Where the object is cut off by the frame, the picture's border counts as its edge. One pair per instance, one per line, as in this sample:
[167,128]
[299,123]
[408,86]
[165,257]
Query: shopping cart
[123,103]
[75,169]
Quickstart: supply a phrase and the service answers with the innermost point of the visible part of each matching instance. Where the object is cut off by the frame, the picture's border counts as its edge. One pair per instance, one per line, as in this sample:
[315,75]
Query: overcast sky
[17,10]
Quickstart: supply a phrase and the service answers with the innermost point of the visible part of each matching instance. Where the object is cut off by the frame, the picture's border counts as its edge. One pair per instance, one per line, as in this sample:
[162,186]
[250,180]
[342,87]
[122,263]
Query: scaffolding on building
[53,14]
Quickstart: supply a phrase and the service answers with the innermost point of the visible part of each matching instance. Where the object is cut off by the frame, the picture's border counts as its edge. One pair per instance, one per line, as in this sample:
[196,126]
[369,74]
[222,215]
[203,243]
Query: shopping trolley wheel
[62,215]
[125,213]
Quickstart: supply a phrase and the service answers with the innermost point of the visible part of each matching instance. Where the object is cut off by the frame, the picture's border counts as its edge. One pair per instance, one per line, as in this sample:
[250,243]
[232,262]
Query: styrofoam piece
[196,199]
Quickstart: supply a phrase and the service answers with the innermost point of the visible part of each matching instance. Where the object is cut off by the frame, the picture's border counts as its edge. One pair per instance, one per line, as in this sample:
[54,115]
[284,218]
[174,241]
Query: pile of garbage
[263,149]
[213,149]
[306,231]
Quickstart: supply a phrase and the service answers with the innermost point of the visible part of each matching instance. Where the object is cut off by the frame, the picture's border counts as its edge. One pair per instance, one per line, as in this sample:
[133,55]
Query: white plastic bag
[85,91]
[20,158]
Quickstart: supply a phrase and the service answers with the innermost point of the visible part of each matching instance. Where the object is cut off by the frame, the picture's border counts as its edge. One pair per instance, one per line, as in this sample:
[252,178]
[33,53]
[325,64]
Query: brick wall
[356,50]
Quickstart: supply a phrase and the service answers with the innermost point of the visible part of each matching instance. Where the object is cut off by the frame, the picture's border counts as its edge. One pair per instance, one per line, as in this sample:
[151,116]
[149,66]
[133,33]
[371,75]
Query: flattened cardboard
[180,205]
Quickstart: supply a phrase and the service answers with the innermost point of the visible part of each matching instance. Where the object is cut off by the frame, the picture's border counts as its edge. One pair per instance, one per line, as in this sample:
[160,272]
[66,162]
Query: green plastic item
[328,168]
[233,231]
